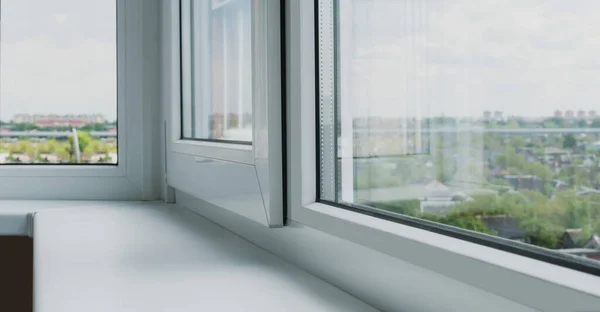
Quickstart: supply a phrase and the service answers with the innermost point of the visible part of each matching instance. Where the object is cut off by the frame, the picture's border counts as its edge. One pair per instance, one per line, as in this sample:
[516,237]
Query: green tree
[50,146]
[493,142]
[539,170]
[94,147]
[467,222]
[580,178]
[517,141]
[569,142]
[541,233]
[510,158]
[24,127]
[548,189]
[22,147]
[500,182]
[94,127]
[513,124]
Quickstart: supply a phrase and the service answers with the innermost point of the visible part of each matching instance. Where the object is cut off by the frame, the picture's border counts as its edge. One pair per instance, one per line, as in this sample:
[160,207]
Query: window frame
[126,179]
[488,268]
[258,165]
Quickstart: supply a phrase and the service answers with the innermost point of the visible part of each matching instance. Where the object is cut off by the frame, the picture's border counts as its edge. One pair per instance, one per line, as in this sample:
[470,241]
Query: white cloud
[40,76]
[60,17]
[462,57]
[58,57]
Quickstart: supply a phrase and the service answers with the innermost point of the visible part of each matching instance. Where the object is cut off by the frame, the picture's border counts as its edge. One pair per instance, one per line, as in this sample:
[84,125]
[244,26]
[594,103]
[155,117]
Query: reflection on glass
[479,116]
[58,83]
[217,70]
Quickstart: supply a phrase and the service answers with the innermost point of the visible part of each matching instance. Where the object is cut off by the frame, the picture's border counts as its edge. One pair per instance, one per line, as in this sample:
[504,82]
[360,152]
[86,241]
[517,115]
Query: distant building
[558,113]
[505,226]
[525,182]
[528,154]
[487,115]
[593,147]
[570,238]
[581,113]
[583,252]
[593,242]
[438,198]
[569,114]
[433,196]
[588,163]
[571,243]
[586,191]
[559,185]
[592,114]
[53,120]
[555,154]
[498,115]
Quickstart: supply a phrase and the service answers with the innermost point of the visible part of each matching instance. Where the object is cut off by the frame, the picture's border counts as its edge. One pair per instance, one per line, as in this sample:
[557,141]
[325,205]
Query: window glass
[216,42]
[476,115]
[58,82]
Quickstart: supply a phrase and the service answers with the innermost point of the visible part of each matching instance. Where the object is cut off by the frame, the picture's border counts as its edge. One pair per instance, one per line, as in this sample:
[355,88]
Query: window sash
[258,166]
[335,173]
[241,152]
[486,268]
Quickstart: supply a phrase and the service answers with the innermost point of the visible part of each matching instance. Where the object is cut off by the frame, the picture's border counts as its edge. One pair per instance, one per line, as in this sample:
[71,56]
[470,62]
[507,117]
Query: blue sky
[58,56]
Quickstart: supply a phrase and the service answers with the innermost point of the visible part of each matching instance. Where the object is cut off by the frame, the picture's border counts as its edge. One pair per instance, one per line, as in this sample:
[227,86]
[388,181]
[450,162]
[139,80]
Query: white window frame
[257,167]
[130,178]
[534,283]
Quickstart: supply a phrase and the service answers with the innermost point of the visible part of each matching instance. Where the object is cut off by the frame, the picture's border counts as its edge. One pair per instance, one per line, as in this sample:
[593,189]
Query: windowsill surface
[15,214]
[131,256]
[425,248]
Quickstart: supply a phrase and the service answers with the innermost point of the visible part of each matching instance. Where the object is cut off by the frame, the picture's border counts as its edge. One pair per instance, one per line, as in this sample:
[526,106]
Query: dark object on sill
[16,273]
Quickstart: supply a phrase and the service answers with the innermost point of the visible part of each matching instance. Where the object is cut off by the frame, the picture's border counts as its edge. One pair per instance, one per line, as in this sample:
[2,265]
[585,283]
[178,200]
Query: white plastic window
[459,117]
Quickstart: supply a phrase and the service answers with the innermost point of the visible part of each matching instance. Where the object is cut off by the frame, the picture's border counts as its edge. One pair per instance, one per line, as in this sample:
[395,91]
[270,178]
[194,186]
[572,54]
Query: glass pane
[58,82]
[478,116]
[216,70]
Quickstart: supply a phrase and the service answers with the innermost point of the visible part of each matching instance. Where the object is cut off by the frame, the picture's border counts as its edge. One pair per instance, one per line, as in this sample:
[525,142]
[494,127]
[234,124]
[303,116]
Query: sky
[58,56]
[462,57]
[399,57]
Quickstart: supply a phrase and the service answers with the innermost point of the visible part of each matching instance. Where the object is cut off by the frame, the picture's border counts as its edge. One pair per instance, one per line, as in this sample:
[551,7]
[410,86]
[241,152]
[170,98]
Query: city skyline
[498,114]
